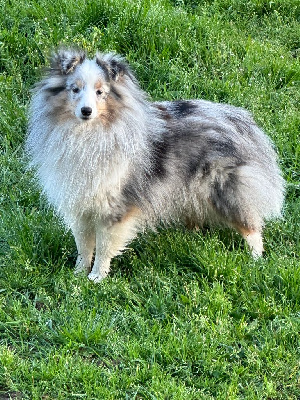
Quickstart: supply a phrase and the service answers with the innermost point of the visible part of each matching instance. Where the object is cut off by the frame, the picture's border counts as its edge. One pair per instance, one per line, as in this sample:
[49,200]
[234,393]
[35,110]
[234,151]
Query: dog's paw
[96,278]
[82,266]
[79,270]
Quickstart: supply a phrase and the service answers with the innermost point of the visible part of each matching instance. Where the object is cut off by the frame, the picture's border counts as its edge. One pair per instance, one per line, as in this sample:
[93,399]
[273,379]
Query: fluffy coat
[112,163]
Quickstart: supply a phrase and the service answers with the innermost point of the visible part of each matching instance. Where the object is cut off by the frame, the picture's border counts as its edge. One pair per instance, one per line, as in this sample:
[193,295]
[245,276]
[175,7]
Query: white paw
[255,243]
[79,270]
[96,278]
[256,253]
[81,266]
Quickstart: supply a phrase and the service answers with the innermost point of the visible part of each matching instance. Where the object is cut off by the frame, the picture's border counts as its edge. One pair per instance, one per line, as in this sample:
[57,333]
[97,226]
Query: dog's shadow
[189,252]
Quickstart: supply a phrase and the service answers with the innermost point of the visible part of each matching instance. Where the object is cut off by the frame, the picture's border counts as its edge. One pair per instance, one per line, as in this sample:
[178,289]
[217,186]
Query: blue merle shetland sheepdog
[112,163]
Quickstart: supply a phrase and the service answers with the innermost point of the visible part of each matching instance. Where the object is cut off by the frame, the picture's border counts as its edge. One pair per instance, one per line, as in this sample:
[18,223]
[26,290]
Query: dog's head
[89,89]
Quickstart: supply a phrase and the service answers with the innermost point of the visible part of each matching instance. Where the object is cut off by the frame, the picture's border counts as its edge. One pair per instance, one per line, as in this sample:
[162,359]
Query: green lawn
[184,315]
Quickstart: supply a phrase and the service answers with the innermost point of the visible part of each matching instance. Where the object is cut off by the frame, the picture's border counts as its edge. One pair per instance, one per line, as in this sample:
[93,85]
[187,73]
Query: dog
[112,163]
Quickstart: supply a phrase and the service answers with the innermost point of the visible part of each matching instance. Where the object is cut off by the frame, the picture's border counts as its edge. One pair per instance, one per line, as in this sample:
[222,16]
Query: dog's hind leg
[239,203]
[111,241]
[254,240]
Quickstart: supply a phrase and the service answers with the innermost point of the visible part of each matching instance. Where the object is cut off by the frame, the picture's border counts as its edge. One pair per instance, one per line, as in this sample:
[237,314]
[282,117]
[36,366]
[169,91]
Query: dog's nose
[86,111]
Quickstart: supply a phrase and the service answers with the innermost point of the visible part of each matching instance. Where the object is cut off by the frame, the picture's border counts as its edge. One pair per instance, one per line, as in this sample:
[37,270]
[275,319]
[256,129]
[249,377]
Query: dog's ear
[113,66]
[64,61]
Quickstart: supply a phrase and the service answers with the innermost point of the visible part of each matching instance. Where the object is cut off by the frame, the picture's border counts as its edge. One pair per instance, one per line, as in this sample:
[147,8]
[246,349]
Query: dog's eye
[99,92]
[75,90]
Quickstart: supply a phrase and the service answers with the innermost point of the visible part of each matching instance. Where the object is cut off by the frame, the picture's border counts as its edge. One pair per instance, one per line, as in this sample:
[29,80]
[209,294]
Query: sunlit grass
[184,315]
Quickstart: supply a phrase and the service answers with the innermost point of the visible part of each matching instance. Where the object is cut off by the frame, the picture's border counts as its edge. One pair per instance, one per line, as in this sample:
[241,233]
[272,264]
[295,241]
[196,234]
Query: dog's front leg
[103,254]
[85,238]
[111,241]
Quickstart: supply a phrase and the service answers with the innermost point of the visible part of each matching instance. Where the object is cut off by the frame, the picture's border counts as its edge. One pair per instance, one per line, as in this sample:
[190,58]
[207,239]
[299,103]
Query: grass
[184,315]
